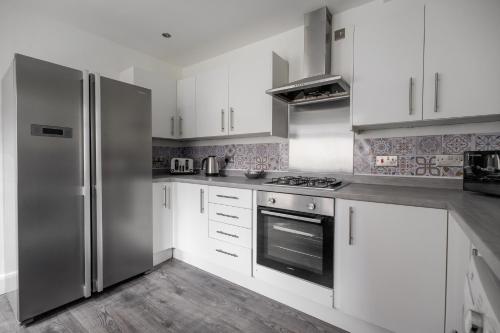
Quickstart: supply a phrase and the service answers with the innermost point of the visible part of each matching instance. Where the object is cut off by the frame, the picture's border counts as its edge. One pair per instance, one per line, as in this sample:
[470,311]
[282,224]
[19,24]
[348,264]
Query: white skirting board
[325,313]
[7,282]
[161,256]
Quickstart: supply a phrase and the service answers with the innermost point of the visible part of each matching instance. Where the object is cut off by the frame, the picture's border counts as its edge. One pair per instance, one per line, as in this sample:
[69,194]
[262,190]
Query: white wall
[45,39]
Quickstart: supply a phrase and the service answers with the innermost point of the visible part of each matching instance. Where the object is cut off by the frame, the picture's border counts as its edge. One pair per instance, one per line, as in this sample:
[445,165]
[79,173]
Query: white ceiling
[200,28]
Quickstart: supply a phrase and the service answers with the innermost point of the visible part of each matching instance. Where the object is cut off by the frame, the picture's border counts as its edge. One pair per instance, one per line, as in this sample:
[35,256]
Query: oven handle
[291,231]
[293,217]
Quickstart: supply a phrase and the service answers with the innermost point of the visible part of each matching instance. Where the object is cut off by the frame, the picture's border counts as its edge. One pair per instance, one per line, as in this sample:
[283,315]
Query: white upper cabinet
[462,47]
[251,110]
[186,108]
[163,98]
[388,64]
[212,112]
[390,265]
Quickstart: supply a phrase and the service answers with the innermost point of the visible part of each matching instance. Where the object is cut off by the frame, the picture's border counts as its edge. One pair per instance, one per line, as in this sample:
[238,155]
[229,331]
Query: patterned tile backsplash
[262,156]
[417,155]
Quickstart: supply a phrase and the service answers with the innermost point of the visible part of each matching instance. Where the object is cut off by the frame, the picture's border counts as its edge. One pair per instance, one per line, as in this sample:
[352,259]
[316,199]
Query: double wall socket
[450,160]
[386,161]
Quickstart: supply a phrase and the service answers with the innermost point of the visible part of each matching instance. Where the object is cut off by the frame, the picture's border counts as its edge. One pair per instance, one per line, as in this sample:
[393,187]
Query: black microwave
[482,171]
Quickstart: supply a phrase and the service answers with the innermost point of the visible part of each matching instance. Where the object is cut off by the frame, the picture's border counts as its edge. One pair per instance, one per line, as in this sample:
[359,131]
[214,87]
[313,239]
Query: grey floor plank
[175,297]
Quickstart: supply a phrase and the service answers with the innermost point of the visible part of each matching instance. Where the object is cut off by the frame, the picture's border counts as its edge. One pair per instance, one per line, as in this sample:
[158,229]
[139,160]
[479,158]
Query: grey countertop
[477,214]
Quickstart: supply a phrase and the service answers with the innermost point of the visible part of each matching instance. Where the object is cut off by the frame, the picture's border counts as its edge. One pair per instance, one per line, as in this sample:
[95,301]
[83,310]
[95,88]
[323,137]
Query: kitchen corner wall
[417,155]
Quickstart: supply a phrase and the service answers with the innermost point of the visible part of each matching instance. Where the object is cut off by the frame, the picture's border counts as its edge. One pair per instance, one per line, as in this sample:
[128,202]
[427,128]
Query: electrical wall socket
[386,161]
[450,160]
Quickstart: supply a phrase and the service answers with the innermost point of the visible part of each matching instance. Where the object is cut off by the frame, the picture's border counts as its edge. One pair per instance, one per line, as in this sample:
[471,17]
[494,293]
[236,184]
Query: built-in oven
[295,235]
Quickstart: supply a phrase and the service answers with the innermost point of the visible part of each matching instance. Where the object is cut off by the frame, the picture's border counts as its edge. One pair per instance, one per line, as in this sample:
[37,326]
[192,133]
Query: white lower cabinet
[230,256]
[230,234]
[241,217]
[459,256]
[191,218]
[390,265]
[162,222]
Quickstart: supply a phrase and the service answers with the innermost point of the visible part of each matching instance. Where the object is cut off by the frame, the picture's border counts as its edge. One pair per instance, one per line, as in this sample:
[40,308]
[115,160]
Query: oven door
[298,244]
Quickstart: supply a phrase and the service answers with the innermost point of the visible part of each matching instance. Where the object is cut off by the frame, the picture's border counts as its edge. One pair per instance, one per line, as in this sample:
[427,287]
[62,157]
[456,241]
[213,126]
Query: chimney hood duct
[319,85]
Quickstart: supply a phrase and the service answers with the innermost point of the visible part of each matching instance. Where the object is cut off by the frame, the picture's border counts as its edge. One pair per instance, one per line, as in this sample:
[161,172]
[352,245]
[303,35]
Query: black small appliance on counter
[482,171]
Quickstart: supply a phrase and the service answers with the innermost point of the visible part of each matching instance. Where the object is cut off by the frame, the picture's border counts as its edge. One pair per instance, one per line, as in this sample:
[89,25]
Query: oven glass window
[292,243]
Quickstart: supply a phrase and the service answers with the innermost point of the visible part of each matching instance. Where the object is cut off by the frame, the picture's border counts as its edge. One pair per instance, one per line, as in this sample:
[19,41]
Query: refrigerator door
[122,177]
[51,186]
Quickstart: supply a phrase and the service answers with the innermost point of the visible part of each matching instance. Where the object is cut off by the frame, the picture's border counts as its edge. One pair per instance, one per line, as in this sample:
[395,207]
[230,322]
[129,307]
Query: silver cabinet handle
[180,125]
[165,196]
[227,196]
[436,92]
[227,253]
[202,199]
[410,96]
[230,216]
[289,216]
[231,115]
[351,238]
[226,234]
[169,190]
[172,126]
[222,122]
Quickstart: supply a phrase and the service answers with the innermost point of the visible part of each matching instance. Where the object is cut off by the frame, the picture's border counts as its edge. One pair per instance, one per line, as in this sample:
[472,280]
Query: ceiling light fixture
[166,35]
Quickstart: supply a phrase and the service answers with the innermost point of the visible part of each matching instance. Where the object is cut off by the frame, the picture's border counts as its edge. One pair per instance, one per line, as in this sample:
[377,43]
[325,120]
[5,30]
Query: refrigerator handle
[98,183]
[87,287]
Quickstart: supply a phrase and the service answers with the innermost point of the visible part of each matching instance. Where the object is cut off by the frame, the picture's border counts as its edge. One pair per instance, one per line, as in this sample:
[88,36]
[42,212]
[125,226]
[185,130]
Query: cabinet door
[250,108]
[186,108]
[163,100]
[191,218]
[390,265]
[212,103]
[459,253]
[461,46]
[162,219]
[388,64]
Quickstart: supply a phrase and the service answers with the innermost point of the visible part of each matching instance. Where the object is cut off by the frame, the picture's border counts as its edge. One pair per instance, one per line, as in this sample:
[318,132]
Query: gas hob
[326,183]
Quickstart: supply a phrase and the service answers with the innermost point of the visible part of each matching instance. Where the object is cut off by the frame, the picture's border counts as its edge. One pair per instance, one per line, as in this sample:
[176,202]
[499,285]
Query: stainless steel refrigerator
[77,183]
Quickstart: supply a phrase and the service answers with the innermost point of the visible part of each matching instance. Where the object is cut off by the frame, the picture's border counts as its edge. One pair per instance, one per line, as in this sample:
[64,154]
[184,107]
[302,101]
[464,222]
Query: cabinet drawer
[240,217]
[230,196]
[230,233]
[230,256]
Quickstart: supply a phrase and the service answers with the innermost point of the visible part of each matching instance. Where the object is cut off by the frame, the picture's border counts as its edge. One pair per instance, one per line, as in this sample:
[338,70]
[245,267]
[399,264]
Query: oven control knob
[271,200]
[311,206]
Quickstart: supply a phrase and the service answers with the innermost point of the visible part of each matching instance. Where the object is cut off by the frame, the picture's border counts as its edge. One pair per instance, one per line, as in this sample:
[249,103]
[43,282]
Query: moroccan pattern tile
[417,155]
[262,156]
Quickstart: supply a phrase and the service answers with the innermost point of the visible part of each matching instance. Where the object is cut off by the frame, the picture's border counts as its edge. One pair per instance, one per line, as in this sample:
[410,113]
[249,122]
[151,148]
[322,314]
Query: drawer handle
[227,196]
[230,216]
[227,253]
[226,234]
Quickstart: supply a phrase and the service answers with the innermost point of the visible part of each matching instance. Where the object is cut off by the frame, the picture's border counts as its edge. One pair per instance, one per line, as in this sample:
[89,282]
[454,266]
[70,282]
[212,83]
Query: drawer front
[240,217]
[230,256]
[230,196]
[230,233]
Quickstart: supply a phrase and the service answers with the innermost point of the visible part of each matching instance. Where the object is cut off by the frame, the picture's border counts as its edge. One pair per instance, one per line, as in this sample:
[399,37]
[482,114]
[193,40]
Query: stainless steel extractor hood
[319,85]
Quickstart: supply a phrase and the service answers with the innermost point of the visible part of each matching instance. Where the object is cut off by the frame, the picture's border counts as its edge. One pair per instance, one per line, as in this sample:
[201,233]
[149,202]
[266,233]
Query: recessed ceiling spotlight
[166,35]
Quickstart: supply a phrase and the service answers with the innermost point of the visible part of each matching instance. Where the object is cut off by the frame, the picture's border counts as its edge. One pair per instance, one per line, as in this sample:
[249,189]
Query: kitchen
[250,166]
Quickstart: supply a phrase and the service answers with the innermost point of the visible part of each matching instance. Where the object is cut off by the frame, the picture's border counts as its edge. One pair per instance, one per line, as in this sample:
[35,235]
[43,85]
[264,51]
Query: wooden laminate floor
[176,297]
